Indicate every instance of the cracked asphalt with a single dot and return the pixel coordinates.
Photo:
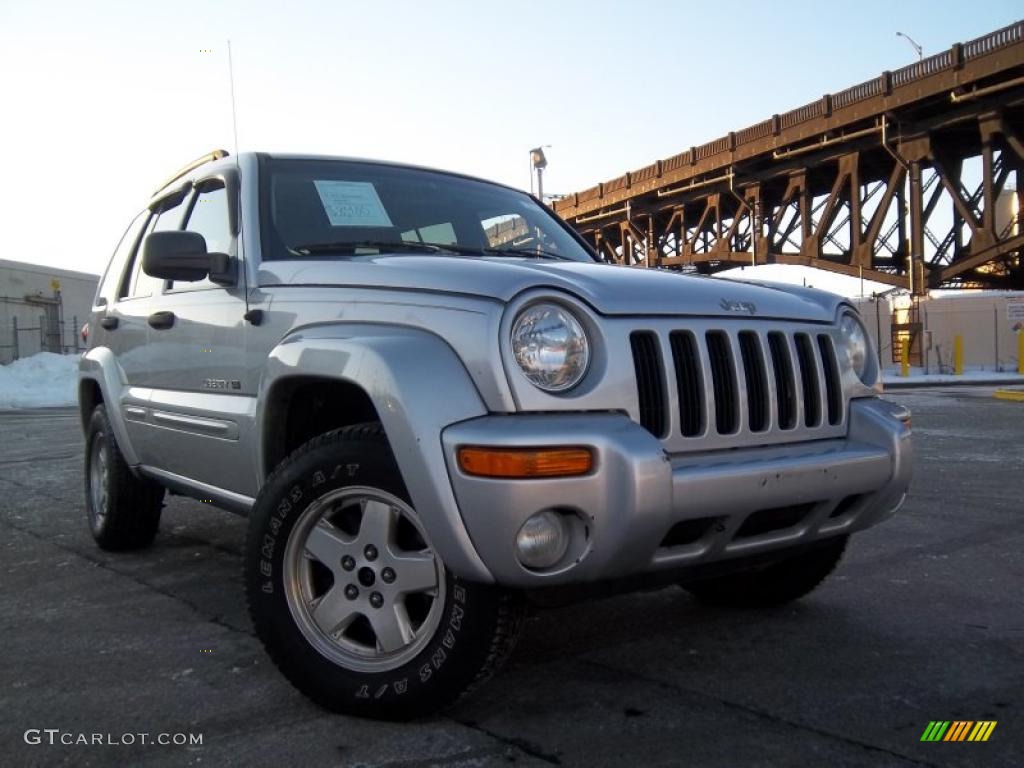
(924, 620)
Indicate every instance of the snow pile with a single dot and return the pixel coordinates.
(42, 380)
(969, 376)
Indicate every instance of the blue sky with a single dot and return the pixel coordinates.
(102, 100)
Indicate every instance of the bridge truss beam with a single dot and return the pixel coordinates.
(920, 191)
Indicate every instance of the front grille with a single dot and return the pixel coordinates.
(785, 387)
(731, 385)
(834, 393)
(650, 382)
(723, 374)
(757, 382)
(689, 382)
(808, 380)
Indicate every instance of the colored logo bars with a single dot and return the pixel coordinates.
(958, 730)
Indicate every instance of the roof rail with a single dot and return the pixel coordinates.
(209, 157)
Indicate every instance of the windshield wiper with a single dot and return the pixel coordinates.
(350, 246)
(533, 252)
(415, 246)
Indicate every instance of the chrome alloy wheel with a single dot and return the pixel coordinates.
(99, 478)
(361, 581)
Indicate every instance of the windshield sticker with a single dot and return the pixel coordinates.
(352, 204)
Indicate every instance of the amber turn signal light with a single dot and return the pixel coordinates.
(525, 462)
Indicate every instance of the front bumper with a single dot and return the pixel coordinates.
(642, 509)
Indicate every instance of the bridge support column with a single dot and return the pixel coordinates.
(917, 222)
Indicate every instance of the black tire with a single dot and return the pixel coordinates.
(779, 583)
(477, 628)
(127, 515)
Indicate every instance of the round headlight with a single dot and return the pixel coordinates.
(550, 346)
(855, 346)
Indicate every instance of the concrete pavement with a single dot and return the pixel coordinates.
(924, 620)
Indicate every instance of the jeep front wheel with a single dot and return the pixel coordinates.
(348, 596)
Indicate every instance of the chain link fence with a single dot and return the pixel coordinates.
(17, 339)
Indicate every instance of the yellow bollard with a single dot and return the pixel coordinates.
(1020, 351)
(958, 355)
(905, 358)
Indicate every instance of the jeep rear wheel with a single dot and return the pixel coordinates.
(776, 584)
(348, 596)
(123, 510)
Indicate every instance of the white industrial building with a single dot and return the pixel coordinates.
(42, 309)
(988, 323)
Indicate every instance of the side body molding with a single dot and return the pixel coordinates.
(419, 386)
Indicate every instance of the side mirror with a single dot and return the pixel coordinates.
(177, 255)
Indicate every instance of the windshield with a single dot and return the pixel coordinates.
(351, 209)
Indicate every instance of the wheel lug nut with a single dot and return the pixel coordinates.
(370, 552)
(387, 575)
(348, 562)
(351, 592)
(376, 599)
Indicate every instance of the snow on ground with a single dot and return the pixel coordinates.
(42, 380)
(918, 376)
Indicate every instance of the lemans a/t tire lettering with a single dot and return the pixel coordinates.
(346, 593)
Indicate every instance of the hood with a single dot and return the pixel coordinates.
(609, 289)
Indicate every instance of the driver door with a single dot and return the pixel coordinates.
(202, 397)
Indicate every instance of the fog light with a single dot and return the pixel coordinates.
(542, 540)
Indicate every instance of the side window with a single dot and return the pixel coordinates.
(139, 284)
(113, 278)
(209, 218)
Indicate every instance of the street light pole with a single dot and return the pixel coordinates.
(913, 44)
(539, 163)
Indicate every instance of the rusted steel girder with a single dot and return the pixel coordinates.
(912, 179)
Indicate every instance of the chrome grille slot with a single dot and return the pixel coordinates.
(723, 376)
(833, 393)
(689, 382)
(723, 383)
(808, 380)
(757, 381)
(650, 382)
(785, 387)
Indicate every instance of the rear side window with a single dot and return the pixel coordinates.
(209, 218)
(114, 275)
(139, 284)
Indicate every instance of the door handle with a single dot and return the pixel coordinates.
(161, 320)
(110, 323)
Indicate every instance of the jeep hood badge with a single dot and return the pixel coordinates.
(738, 306)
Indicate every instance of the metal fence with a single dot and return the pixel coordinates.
(19, 340)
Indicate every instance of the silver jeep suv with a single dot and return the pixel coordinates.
(433, 403)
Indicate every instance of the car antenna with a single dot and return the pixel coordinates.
(253, 316)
